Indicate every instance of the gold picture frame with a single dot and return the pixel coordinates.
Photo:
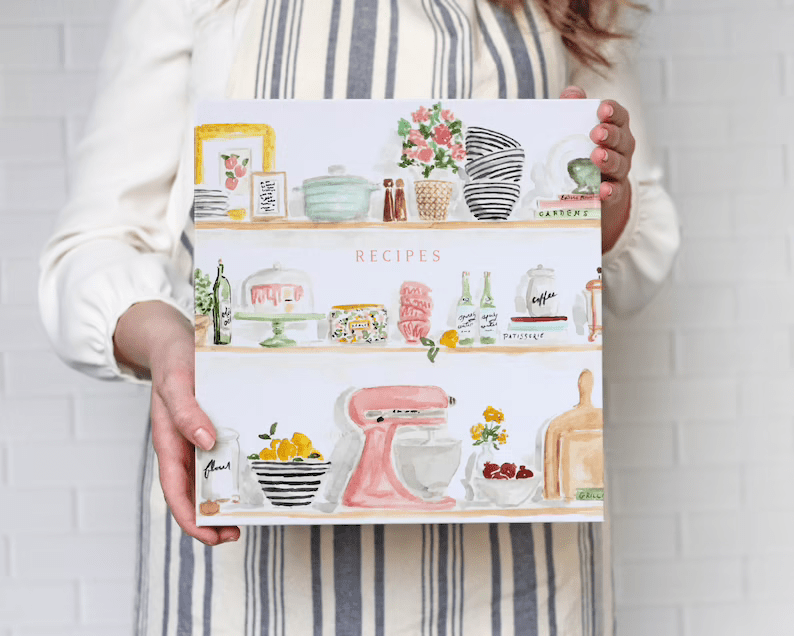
(211, 132)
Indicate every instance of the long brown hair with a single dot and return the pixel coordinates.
(585, 25)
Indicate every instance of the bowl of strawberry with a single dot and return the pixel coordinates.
(507, 484)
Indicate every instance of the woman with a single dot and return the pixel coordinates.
(117, 301)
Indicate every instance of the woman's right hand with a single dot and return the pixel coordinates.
(155, 336)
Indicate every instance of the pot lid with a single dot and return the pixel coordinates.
(541, 271)
(336, 176)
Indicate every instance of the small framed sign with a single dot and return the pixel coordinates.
(268, 196)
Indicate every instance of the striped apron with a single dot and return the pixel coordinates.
(394, 580)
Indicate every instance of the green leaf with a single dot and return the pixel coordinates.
(273, 428)
(245, 162)
(264, 436)
(427, 342)
(253, 456)
(236, 156)
(403, 127)
(224, 157)
(478, 442)
(230, 175)
(297, 459)
(314, 455)
(425, 130)
(426, 172)
(432, 353)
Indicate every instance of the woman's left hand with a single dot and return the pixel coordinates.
(613, 157)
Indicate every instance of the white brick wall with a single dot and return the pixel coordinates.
(701, 435)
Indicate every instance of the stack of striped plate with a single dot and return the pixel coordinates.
(210, 204)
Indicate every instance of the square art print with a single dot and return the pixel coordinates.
(413, 334)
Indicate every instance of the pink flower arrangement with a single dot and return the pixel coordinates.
(435, 142)
(420, 116)
(442, 136)
(457, 152)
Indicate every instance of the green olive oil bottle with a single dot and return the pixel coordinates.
(222, 308)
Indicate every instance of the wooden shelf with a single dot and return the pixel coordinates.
(594, 511)
(412, 225)
(359, 349)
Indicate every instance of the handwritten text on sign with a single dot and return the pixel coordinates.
(266, 197)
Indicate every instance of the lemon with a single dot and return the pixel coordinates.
(450, 339)
(299, 439)
(287, 450)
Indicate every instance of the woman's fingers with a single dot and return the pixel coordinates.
(615, 193)
(610, 111)
(613, 165)
(176, 391)
(573, 92)
(617, 138)
(176, 459)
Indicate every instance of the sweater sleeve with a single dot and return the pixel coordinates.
(116, 242)
(641, 259)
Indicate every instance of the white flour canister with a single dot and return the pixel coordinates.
(217, 470)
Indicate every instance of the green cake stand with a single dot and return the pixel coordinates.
(278, 339)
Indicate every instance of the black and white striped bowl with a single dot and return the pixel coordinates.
(491, 200)
(502, 165)
(290, 484)
(481, 141)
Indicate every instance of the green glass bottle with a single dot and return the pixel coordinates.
(222, 308)
(466, 315)
(488, 315)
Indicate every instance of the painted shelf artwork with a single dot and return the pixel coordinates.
(398, 312)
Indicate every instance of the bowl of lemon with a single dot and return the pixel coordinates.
(289, 470)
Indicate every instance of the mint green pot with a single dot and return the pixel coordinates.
(337, 197)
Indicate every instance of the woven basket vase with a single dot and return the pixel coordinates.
(432, 199)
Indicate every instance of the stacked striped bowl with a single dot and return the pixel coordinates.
(495, 165)
(290, 484)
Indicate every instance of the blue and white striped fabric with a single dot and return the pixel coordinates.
(423, 580)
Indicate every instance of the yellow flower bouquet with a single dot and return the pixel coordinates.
(491, 431)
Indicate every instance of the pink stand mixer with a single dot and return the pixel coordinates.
(380, 412)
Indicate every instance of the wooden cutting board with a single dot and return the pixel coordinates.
(574, 447)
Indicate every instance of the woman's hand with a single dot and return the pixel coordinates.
(155, 336)
(613, 157)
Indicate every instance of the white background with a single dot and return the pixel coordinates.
(698, 383)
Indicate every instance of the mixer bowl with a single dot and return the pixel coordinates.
(427, 468)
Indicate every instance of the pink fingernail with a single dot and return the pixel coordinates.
(610, 111)
(605, 156)
(609, 190)
(604, 134)
(204, 440)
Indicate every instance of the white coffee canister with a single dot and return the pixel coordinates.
(542, 297)
(217, 470)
